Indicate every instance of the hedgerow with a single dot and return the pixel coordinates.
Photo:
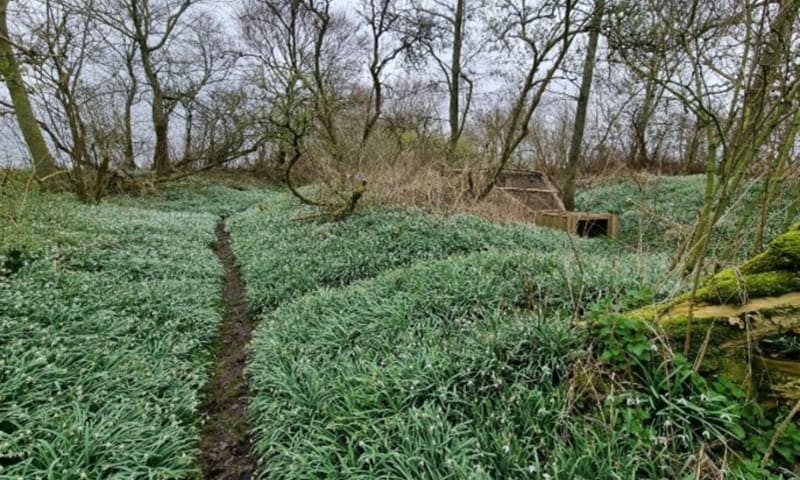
(448, 369)
(105, 328)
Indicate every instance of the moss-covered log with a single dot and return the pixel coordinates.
(745, 322)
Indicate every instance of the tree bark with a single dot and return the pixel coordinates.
(738, 313)
(574, 156)
(129, 161)
(43, 163)
(160, 117)
(455, 80)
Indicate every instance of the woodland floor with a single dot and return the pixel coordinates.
(401, 343)
(225, 444)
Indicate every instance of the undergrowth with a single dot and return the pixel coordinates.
(707, 426)
(451, 369)
(656, 213)
(106, 318)
(213, 198)
(283, 258)
(405, 344)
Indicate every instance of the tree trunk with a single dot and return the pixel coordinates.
(161, 130)
(129, 161)
(455, 81)
(640, 156)
(743, 315)
(43, 163)
(759, 118)
(159, 112)
(574, 156)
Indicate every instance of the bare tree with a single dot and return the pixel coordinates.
(573, 159)
(43, 162)
(760, 93)
(151, 25)
(390, 36)
(539, 34)
(739, 81)
(302, 68)
(443, 26)
(73, 101)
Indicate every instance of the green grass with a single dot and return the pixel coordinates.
(401, 344)
(106, 322)
(396, 344)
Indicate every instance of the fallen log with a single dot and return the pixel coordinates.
(744, 323)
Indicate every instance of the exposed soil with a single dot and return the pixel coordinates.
(224, 443)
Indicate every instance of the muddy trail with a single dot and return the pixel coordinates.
(225, 442)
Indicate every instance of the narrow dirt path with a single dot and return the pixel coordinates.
(224, 443)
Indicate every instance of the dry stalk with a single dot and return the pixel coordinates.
(778, 433)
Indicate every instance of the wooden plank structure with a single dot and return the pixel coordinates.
(536, 191)
(584, 224)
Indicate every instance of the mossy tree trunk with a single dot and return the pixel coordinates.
(746, 321)
(43, 163)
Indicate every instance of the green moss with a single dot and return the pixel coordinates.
(735, 369)
(730, 287)
(783, 253)
(674, 326)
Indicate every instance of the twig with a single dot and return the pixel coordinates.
(701, 355)
(783, 426)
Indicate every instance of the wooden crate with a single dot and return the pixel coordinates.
(579, 223)
(534, 190)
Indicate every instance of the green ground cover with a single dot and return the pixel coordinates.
(107, 315)
(400, 344)
(396, 344)
(450, 369)
(198, 196)
(283, 258)
(657, 212)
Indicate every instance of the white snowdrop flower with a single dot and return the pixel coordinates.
(703, 397)
(506, 448)
(706, 434)
(667, 423)
(531, 468)
(361, 444)
(653, 347)
(633, 401)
